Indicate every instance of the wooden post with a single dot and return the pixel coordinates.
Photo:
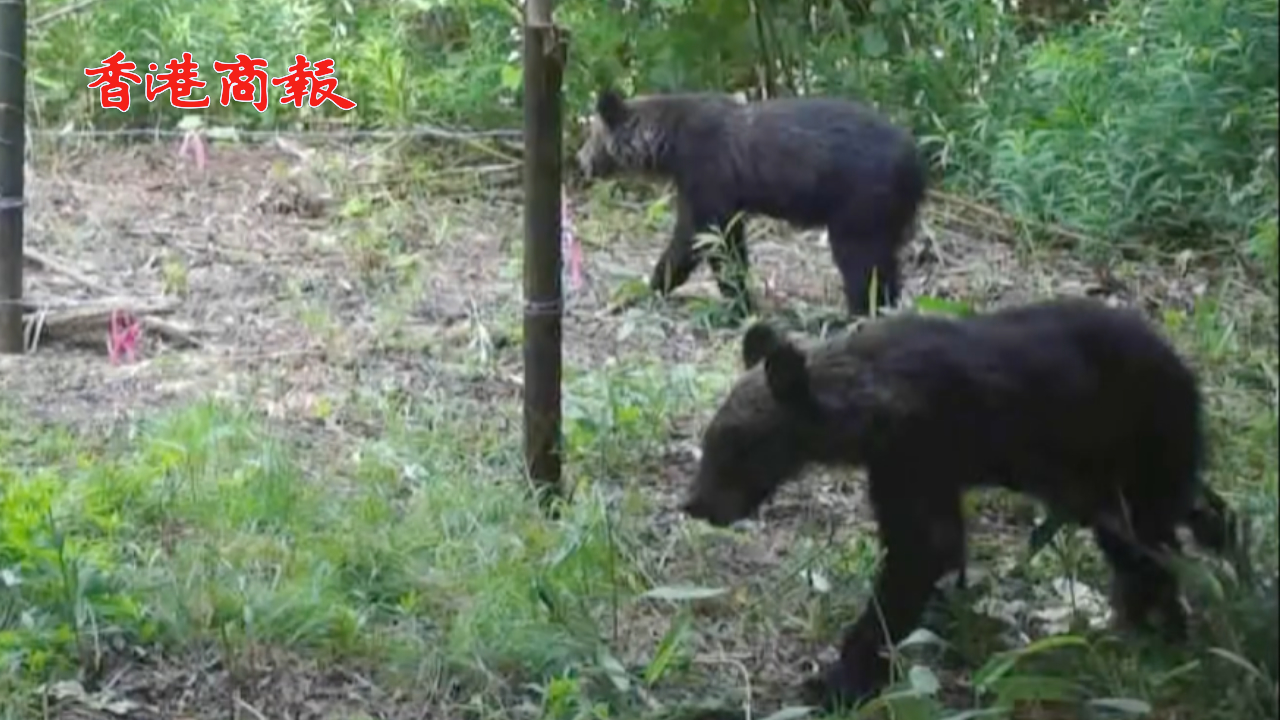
(13, 79)
(545, 52)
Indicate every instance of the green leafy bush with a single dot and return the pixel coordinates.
(1157, 124)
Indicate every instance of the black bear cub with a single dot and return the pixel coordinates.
(813, 162)
(1084, 407)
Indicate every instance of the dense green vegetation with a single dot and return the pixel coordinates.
(1157, 123)
(1135, 130)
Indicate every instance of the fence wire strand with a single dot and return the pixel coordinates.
(231, 133)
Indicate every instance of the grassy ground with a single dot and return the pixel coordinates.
(320, 513)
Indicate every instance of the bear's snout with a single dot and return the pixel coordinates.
(716, 514)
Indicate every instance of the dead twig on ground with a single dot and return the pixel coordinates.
(1001, 224)
(54, 265)
(71, 319)
(171, 331)
(83, 321)
(132, 305)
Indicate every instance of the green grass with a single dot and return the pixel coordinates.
(202, 527)
(410, 556)
(1154, 126)
(420, 553)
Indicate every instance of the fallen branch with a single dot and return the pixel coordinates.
(54, 265)
(172, 332)
(1004, 221)
(510, 167)
(113, 302)
(86, 321)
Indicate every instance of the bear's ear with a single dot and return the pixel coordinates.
(784, 365)
(758, 342)
(789, 378)
(611, 107)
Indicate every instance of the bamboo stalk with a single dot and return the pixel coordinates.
(545, 53)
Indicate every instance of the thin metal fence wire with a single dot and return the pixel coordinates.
(232, 133)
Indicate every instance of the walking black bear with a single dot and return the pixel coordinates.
(813, 162)
(1081, 406)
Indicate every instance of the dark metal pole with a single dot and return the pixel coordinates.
(545, 51)
(13, 80)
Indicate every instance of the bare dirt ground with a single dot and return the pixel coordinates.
(264, 257)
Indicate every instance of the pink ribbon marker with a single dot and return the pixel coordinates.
(193, 148)
(569, 242)
(123, 333)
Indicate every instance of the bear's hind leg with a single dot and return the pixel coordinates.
(1159, 491)
(859, 257)
(1142, 584)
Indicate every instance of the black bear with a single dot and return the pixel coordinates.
(1083, 407)
(813, 162)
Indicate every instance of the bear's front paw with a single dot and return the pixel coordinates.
(839, 688)
(660, 284)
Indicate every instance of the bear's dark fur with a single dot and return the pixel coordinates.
(1084, 407)
(813, 162)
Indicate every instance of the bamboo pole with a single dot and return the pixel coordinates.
(545, 52)
(13, 76)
